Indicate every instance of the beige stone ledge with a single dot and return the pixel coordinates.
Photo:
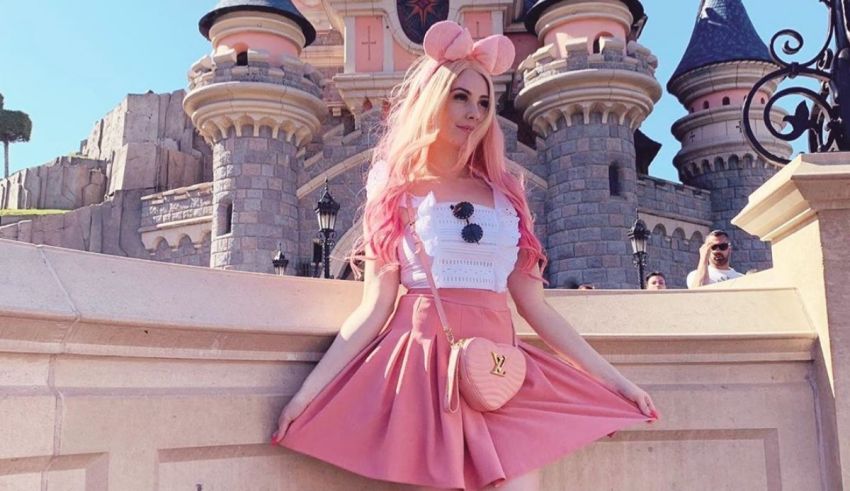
(791, 198)
(127, 375)
(62, 301)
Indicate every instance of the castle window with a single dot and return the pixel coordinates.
(762, 100)
(726, 101)
(705, 104)
(224, 221)
(228, 218)
(614, 185)
(242, 58)
(597, 42)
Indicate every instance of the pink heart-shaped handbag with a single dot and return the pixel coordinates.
(487, 374)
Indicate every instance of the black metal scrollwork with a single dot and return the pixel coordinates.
(828, 122)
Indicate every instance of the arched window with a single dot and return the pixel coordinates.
(726, 101)
(242, 58)
(597, 42)
(705, 104)
(614, 182)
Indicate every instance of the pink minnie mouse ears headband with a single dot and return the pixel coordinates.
(448, 41)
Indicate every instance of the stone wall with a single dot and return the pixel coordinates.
(184, 252)
(670, 198)
(150, 143)
(65, 183)
(175, 225)
(110, 227)
(174, 380)
(588, 213)
(673, 254)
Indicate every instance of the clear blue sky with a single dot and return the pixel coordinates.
(69, 63)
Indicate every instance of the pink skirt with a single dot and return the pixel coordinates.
(382, 417)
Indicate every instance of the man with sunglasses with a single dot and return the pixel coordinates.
(713, 265)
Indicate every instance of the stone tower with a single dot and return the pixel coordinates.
(257, 104)
(722, 62)
(585, 92)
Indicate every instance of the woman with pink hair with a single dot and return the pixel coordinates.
(445, 219)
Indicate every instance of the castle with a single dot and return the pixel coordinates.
(228, 171)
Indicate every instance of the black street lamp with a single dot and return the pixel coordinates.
(279, 261)
(326, 210)
(639, 235)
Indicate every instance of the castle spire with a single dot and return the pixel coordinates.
(723, 61)
(723, 32)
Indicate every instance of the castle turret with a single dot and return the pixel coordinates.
(585, 92)
(257, 104)
(723, 61)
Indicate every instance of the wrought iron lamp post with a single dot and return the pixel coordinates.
(639, 235)
(828, 122)
(326, 211)
(279, 261)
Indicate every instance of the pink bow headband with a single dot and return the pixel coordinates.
(448, 41)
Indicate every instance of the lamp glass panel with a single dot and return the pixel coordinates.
(324, 220)
(639, 245)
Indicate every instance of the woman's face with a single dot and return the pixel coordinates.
(465, 108)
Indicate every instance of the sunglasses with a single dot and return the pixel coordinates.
(472, 232)
(720, 247)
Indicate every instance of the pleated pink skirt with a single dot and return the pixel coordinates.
(382, 417)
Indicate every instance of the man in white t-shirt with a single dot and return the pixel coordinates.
(713, 267)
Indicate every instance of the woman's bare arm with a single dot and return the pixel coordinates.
(557, 332)
(358, 330)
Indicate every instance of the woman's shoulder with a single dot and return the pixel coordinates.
(377, 178)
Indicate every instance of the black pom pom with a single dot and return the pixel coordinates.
(463, 210)
(472, 233)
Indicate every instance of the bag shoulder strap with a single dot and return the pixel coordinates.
(426, 264)
(452, 397)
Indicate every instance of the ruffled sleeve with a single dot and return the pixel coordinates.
(377, 179)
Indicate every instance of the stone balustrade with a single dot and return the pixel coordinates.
(131, 375)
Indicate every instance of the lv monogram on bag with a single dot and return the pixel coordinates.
(498, 364)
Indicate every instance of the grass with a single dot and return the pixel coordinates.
(6, 212)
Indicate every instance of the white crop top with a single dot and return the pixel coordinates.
(454, 262)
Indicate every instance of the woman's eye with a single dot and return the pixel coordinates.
(485, 104)
(460, 96)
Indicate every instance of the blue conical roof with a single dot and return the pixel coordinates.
(280, 7)
(723, 33)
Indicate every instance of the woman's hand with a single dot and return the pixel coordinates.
(632, 392)
(292, 410)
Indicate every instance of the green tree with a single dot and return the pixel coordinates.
(15, 126)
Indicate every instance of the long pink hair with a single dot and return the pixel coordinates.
(409, 129)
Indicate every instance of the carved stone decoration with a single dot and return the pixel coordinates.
(416, 16)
